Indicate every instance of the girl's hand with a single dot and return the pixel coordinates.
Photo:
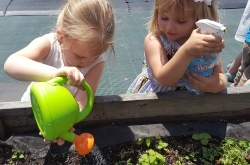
(59, 141)
(74, 76)
(205, 84)
(202, 44)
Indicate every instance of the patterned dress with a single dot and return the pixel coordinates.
(146, 82)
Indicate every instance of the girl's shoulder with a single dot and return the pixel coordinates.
(54, 56)
(160, 39)
(51, 37)
(151, 41)
(150, 37)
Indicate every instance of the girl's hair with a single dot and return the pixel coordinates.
(90, 21)
(183, 9)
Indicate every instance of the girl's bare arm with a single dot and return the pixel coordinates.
(24, 65)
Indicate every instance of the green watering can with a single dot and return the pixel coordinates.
(56, 111)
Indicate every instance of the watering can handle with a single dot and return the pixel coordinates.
(89, 104)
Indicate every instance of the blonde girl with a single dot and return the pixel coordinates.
(173, 41)
(84, 31)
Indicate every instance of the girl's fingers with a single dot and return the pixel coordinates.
(60, 141)
(75, 77)
(54, 140)
(195, 80)
(72, 129)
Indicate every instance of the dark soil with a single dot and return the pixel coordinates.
(179, 146)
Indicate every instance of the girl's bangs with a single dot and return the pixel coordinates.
(180, 8)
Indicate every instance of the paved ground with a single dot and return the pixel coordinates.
(22, 21)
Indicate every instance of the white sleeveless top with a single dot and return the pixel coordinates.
(54, 59)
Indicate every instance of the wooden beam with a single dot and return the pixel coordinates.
(232, 103)
(2, 130)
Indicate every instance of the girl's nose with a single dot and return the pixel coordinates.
(170, 26)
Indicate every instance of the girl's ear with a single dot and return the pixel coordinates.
(59, 35)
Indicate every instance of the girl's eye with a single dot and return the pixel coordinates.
(164, 18)
(182, 22)
(79, 56)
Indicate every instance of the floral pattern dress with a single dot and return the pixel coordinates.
(145, 82)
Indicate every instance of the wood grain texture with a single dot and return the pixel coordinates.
(232, 103)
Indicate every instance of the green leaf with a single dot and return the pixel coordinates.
(140, 141)
(192, 154)
(21, 156)
(206, 136)
(243, 144)
(204, 149)
(152, 159)
(196, 137)
(204, 141)
(229, 141)
(201, 136)
(14, 156)
(148, 141)
(161, 157)
(144, 156)
(151, 152)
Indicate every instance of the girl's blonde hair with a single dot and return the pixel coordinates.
(183, 9)
(89, 21)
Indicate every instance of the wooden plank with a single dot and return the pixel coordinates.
(232, 103)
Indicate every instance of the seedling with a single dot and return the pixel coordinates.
(147, 140)
(162, 145)
(203, 137)
(151, 157)
(17, 154)
(234, 152)
(192, 156)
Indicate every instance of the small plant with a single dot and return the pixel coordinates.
(151, 157)
(203, 137)
(210, 153)
(17, 154)
(234, 152)
(192, 156)
(147, 140)
(123, 160)
(161, 145)
(179, 161)
(128, 162)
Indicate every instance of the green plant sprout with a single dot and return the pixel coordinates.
(151, 157)
(162, 145)
(234, 152)
(179, 161)
(203, 137)
(17, 154)
(192, 156)
(147, 140)
(210, 153)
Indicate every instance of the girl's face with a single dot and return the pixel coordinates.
(77, 54)
(175, 29)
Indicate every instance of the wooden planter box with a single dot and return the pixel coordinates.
(232, 103)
